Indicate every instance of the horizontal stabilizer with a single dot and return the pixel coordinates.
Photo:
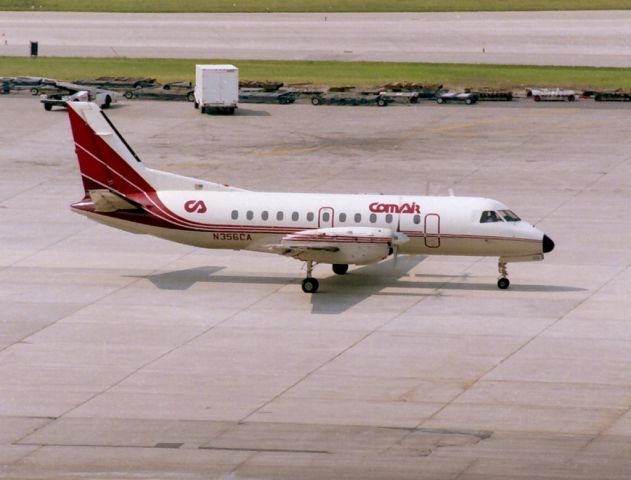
(107, 201)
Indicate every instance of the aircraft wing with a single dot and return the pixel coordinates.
(344, 245)
(302, 251)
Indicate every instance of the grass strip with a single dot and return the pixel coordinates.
(224, 6)
(326, 73)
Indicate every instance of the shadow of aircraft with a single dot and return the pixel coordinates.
(340, 292)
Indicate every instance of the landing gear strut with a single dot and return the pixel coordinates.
(310, 284)
(503, 282)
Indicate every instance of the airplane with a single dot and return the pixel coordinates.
(337, 229)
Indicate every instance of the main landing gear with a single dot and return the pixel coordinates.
(340, 268)
(503, 282)
(311, 285)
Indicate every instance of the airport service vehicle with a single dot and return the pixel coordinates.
(457, 97)
(27, 83)
(350, 98)
(258, 95)
(167, 91)
(400, 97)
(551, 94)
(101, 98)
(337, 229)
(216, 88)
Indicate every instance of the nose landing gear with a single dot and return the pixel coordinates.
(503, 282)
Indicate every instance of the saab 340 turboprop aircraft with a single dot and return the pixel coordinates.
(338, 229)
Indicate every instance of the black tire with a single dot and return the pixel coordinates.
(316, 101)
(503, 283)
(440, 101)
(230, 111)
(382, 102)
(196, 105)
(571, 98)
(34, 91)
(340, 268)
(468, 101)
(190, 96)
(537, 98)
(48, 107)
(310, 285)
(129, 95)
(203, 109)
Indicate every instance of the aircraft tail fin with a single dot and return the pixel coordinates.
(106, 161)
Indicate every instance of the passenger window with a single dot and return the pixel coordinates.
(295, 216)
(489, 216)
(326, 216)
(264, 215)
(373, 218)
(358, 218)
(310, 217)
(235, 214)
(342, 217)
(279, 215)
(389, 218)
(249, 215)
(417, 219)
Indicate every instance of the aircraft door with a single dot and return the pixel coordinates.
(432, 230)
(325, 217)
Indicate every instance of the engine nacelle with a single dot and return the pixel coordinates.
(342, 245)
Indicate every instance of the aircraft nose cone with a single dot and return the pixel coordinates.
(548, 244)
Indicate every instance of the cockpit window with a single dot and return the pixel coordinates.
(509, 216)
(489, 216)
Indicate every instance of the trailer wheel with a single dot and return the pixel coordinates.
(190, 96)
(382, 102)
(537, 98)
(48, 107)
(34, 91)
(468, 101)
(571, 98)
(129, 95)
(230, 111)
(203, 109)
(440, 100)
(316, 101)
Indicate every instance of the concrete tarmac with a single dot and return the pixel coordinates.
(598, 38)
(125, 356)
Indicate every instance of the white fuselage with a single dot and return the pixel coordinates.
(254, 220)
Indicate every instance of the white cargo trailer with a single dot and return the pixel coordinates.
(216, 88)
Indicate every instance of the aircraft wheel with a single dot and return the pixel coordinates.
(340, 268)
(310, 285)
(503, 283)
